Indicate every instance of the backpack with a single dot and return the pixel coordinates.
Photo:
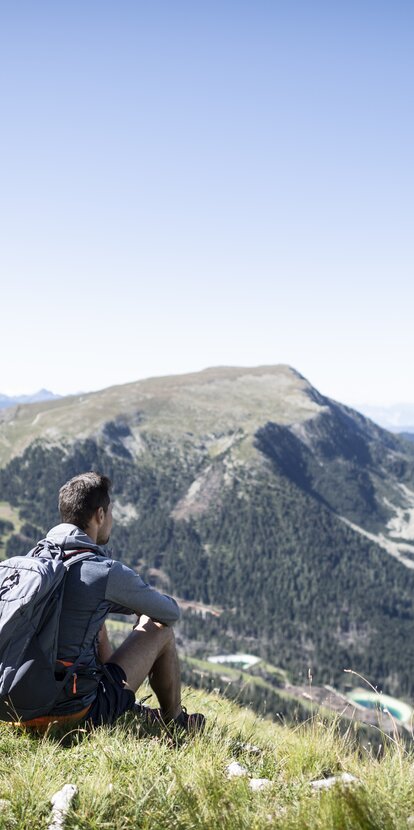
(31, 596)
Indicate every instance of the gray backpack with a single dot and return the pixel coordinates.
(31, 594)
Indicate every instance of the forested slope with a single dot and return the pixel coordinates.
(296, 585)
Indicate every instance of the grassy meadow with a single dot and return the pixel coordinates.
(126, 780)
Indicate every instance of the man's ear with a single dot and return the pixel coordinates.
(100, 515)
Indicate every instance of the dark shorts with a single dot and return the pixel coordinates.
(112, 698)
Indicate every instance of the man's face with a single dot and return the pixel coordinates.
(104, 531)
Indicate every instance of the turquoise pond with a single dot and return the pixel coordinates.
(398, 709)
(372, 704)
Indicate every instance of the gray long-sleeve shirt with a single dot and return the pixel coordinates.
(94, 588)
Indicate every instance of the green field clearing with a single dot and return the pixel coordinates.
(8, 514)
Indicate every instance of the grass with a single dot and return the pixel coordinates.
(9, 514)
(126, 781)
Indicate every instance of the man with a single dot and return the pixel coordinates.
(104, 686)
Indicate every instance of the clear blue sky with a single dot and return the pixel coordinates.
(190, 184)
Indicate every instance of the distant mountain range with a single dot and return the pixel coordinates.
(41, 395)
(247, 491)
(397, 418)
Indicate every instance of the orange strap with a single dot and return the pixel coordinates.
(66, 664)
(41, 724)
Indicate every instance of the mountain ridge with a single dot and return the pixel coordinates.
(179, 397)
(7, 401)
(245, 489)
(254, 415)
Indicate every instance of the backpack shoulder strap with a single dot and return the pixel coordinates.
(73, 556)
(46, 549)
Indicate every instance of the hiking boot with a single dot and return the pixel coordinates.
(191, 724)
(148, 716)
(183, 724)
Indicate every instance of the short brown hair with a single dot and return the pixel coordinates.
(80, 497)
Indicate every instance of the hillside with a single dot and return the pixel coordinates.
(199, 404)
(246, 490)
(244, 772)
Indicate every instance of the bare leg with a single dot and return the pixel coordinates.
(149, 651)
(104, 646)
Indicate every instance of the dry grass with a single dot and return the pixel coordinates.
(126, 781)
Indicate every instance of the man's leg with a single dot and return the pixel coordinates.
(149, 651)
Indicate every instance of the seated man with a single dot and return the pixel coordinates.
(104, 685)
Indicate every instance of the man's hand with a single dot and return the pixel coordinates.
(142, 621)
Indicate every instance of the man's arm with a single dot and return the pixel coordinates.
(126, 588)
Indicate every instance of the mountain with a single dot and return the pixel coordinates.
(287, 516)
(41, 395)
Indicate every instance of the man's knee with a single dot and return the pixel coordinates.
(142, 648)
(156, 629)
